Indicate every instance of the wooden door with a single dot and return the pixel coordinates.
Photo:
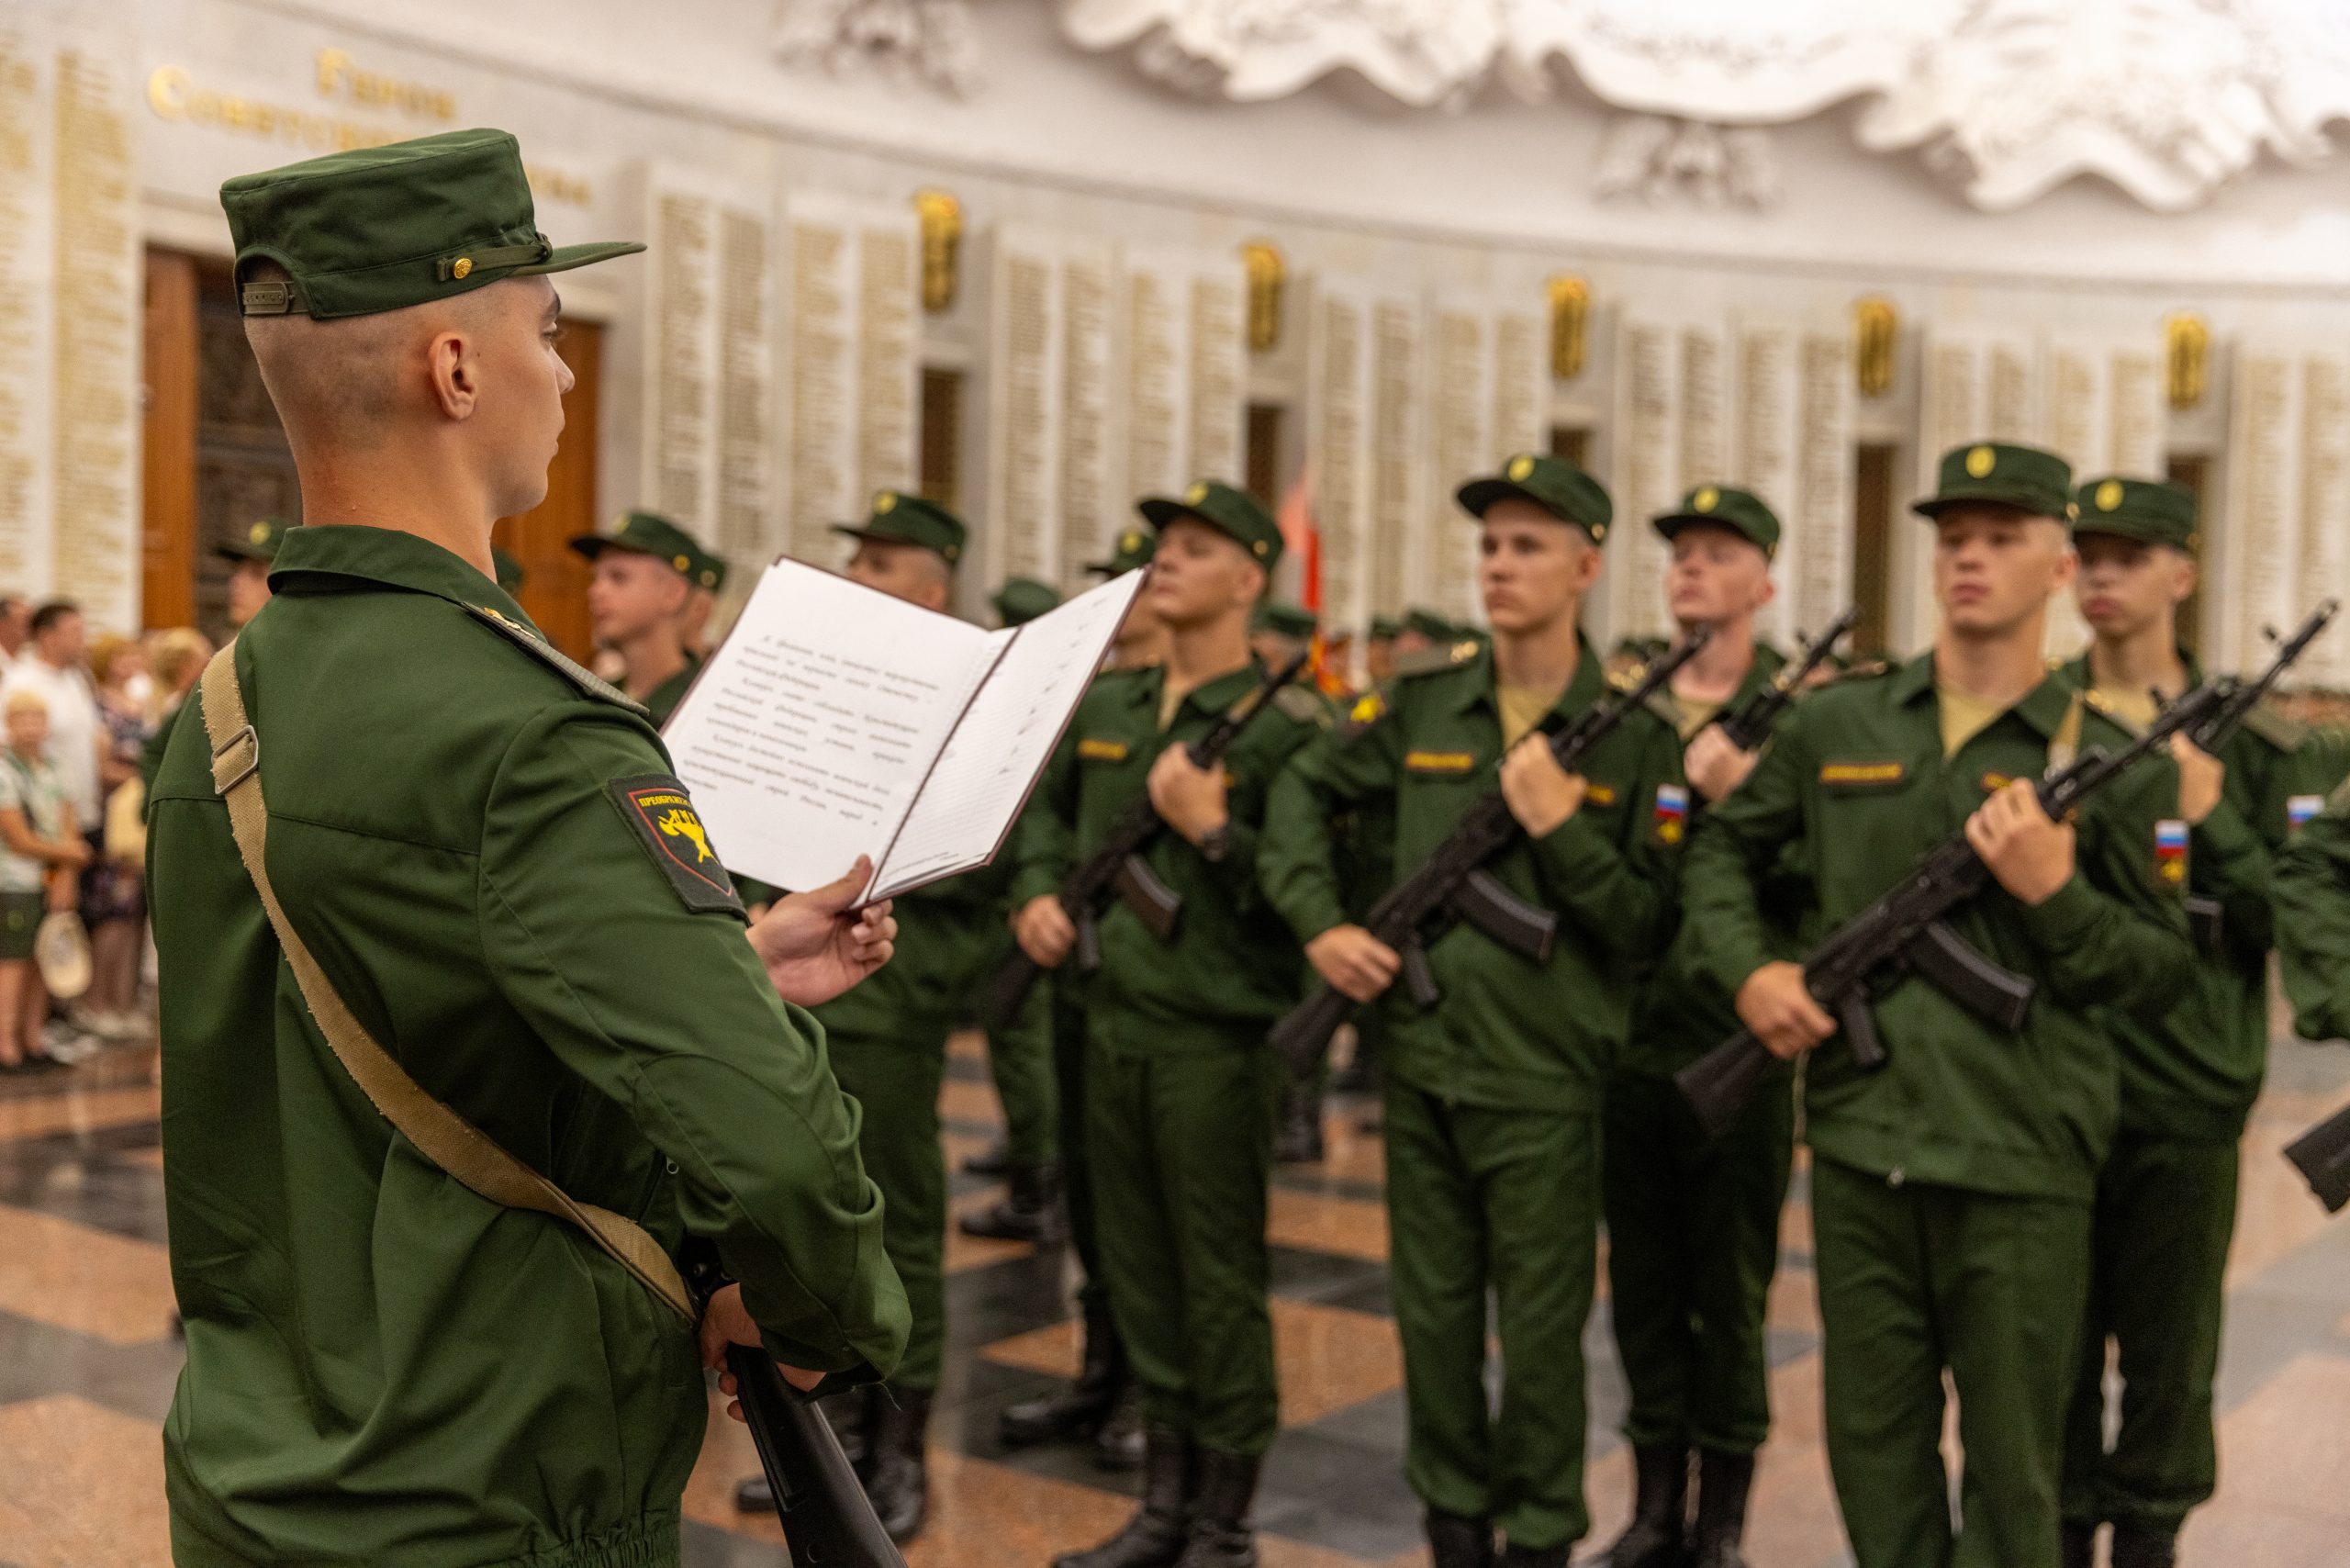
(167, 448)
(554, 587)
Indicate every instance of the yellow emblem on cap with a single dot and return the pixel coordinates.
(2109, 495)
(1598, 533)
(258, 533)
(885, 503)
(465, 265)
(1981, 461)
(709, 579)
(1519, 468)
(1196, 494)
(1130, 540)
(2072, 511)
(1260, 547)
(1705, 499)
(683, 563)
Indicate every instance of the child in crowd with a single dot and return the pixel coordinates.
(40, 857)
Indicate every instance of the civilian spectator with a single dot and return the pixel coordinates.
(40, 851)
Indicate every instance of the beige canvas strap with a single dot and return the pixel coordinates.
(439, 1132)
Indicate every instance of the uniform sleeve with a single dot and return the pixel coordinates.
(1732, 852)
(1618, 891)
(1297, 860)
(2312, 903)
(2232, 860)
(1044, 843)
(2113, 935)
(669, 1014)
(1236, 874)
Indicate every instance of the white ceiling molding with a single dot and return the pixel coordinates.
(934, 42)
(2006, 99)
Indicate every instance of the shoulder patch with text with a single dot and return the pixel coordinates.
(1855, 773)
(1091, 750)
(1671, 818)
(662, 814)
(2170, 853)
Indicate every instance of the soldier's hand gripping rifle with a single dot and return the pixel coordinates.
(827, 1520)
(1749, 724)
(1453, 885)
(1904, 931)
(1116, 869)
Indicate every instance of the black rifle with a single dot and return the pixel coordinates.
(827, 1520)
(1749, 724)
(1905, 931)
(1453, 885)
(1117, 868)
(2322, 1155)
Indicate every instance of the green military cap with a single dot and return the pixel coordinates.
(1285, 620)
(1555, 485)
(1429, 624)
(1720, 506)
(2001, 474)
(1022, 599)
(510, 570)
(384, 228)
(899, 519)
(2153, 511)
(1225, 510)
(649, 533)
(259, 542)
(1135, 547)
(1384, 628)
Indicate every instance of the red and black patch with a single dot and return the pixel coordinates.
(664, 816)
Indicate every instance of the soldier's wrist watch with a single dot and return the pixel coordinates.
(1217, 843)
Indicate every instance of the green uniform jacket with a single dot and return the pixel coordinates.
(1855, 783)
(382, 1367)
(2194, 1070)
(1509, 1034)
(1231, 962)
(1680, 1014)
(2312, 899)
(151, 757)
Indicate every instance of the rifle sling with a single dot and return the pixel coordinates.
(439, 1132)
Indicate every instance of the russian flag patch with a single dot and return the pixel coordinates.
(2300, 809)
(1672, 819)
(2170, 852)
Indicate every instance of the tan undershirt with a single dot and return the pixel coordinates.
(1695, 714)
(2135, 708)
(1963, 717)
(1522, 708)
(1169, 701)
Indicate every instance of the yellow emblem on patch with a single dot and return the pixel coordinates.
(885, 503)
(1981, 461)
(1439, 761)
(1101, 751)
(1367, 708)
(1196, 494)
(681, 823)
(1668, 832)
(1519, 468)
(463, 269)
(258, 532)
(2109, 495)
(1862, 772)
(1705, 499)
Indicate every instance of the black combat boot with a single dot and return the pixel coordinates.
(2078, 1546)
(1083, 1405)
(1657, 1537)
(1119, 1444)
(851, 1416)
(1031, 1211)
(1516, 1556)
(1155, 1536)
(1458, 1542)
(1723, 1481)
(1297, 1137)
(2137, 1546)
(897, 1472)
(993, 1160)
(1221, 1534)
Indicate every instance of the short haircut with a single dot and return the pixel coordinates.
(51, 612)
(172, 652)
(24, 699)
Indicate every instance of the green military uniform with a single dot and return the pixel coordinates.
(1952, 1190)
(259, 543)
(2166, 1206)
(652, 536)
(1693, 1222)
(511, 574)
(382, 1366)
(2311, 902)
(1493, 1101)
(1179, 1085)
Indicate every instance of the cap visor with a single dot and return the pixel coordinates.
(240, 553)
(594, 545)
(2028, 502)
(1159, 511)
(1478, 495)
(566, 257)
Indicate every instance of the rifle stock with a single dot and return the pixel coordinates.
(2323, 1157)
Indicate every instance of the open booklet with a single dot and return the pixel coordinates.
(835, 721)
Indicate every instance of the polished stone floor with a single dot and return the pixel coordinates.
(87, 1362)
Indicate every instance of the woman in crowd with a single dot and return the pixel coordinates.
(40, 854)
(114, 904)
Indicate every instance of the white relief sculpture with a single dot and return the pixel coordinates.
(2168, 99)
(1655, 158)
(932, 41)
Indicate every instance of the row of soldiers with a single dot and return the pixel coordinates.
(1995, 1209)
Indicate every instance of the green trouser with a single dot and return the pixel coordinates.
(1183, 1147)
(1692, 1241)
(1916, 1279)
(1482, 1199)
(2165, 1212)
(1020, 1059)
(895, 1080)
(1065, 1012)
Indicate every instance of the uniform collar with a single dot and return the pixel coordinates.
(2077, 669)
(345, 559)
(2043, 707)
(1480, 677)
(1214, 698)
